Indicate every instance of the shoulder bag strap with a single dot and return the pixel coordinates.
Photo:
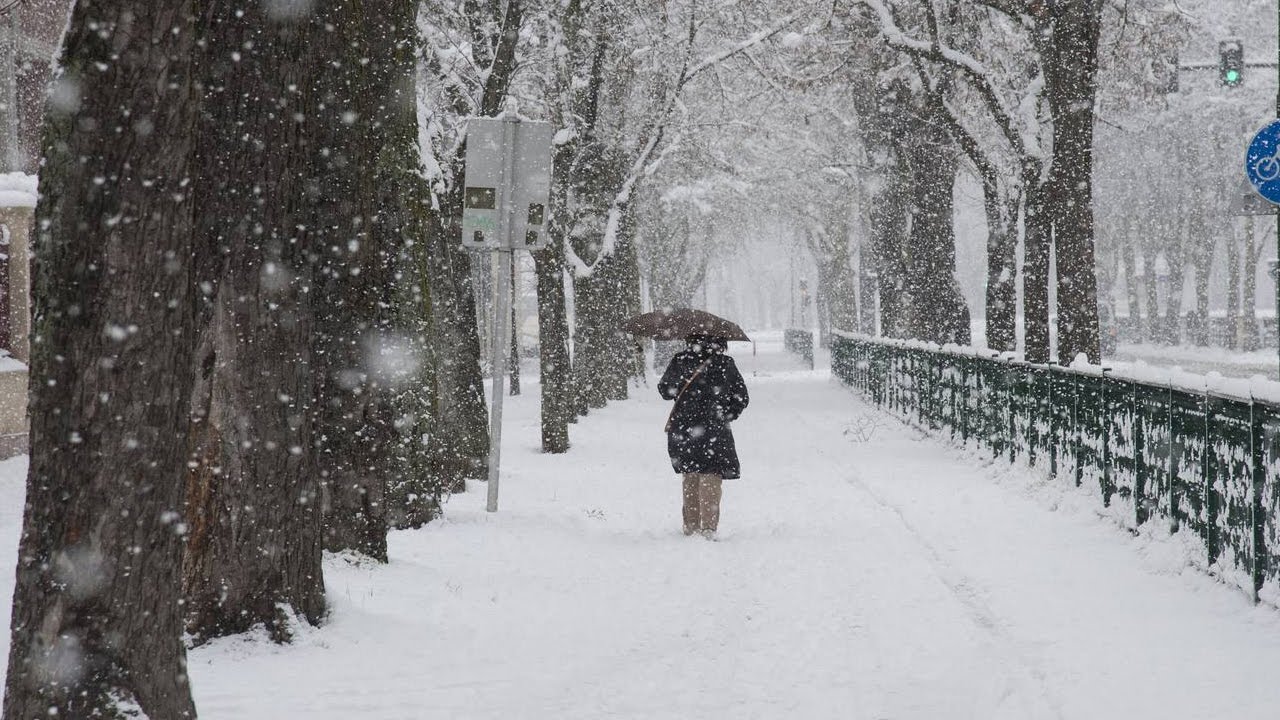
(672, 416)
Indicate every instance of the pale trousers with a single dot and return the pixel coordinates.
(701, 503)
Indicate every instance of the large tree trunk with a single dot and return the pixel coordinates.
(590, 350)
(1249, 302)
(866, 292)
(888, 228)
(626, 352)
(1233, 285)
(97, 618)
(359, 354)
(1203, 259)
(553, 345)
(1132, 297)
(1036, 240)
(406, 227)
(253, 553)
(1002, 267)
(835, 299)
(1071, 69)
(1176, 257)
(459, 443)
(605, 357)
(1151, 295)
(937, 310)
(841, 296)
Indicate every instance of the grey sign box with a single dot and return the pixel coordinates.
(496, 147)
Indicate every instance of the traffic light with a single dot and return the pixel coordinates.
(1231, 62)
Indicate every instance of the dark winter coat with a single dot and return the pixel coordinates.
(700, 440)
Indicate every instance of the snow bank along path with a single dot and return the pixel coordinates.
(888, 577)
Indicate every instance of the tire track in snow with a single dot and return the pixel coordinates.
(1025, 693)
(968, 594)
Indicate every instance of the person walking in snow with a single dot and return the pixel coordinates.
(709, 393)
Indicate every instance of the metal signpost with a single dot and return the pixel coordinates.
(508, 182)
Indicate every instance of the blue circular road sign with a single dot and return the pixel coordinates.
(1262, 162)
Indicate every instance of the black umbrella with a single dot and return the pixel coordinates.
(679, 323)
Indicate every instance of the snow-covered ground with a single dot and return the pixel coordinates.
(1229, 363)
(1189, 358)
(863, 572)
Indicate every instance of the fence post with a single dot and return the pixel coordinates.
(881, 379)
(1208, 469)
(1139, 459)
(993, 425)
(1105, 417)
(1257, 515)
(1032, 404)
(935, 391)
(1055, 425)
(1171, 465)
(1077, 429)
(1011, 385)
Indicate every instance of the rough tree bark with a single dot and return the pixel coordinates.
(1132, 298)
(866, 293)
(1233, 284)
(626, 354)
(605, 358)
(1202, 252)
(253, 552)
(937, 310)
(1002, 268)
(570, 111)
(836, 300)
(888, 227)
(553, 343)
(459, 443)
(97, 620)
(1151, 295)
(358, 279)
(1249, 302)
(1171, 331)
(1070, 62)
(1036, 239)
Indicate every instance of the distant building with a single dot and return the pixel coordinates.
(30, 31)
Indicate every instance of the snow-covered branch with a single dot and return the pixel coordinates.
(1024, 144)
(642, 164)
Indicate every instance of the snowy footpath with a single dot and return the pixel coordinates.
(863, 572)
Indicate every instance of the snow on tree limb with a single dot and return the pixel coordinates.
(753, 40)
(643, 165)
(1022, 140)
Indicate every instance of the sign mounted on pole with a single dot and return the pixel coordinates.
(1262, 167)
(508, 184)
(508, 178)
(1262, 162)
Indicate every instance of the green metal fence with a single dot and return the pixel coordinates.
(799, 342)
(1201, 462)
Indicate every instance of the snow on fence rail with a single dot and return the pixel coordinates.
(1202, 455)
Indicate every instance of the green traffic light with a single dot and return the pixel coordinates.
(1233, 76)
